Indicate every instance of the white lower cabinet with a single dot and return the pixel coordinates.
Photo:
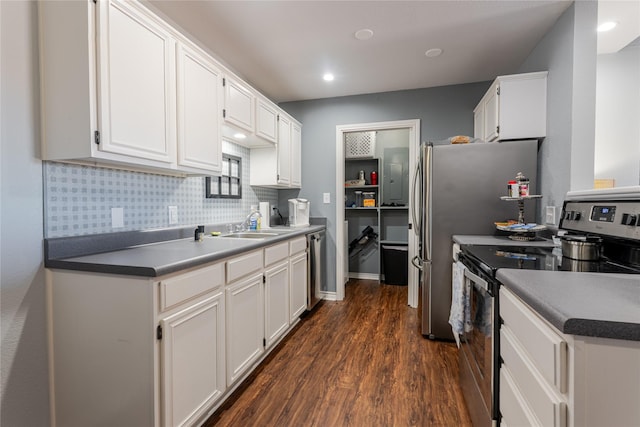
(552, 379)
(166, 351)
(245, 325)
(298, 282)
(193, 360)
(276, 302)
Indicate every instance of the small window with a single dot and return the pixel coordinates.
(228, 185)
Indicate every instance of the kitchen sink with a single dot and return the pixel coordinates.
(250, 235)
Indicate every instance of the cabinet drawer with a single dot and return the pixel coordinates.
(183, 287)
(244, 265)
(298, 244)
(547, 406)
(276, 253)
(513, 409)
(547, 349)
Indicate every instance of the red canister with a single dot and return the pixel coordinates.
(374, 178)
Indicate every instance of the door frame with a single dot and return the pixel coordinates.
(414, 146)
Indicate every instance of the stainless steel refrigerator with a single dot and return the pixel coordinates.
(460, 191)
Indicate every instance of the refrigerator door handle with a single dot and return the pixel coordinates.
(415, 204)
(426, 215)
(415, 260)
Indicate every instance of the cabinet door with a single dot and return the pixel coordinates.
(284, 150)
(238, 105)
(276, 302)
(266, 121)
(136, 84)
(298, 286)
(192, 361)
(296, 156)
(199, 112)
(491, 119)
(245, 325)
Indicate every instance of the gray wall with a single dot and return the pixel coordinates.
(443, 111)
(568, 52)
(24, 384)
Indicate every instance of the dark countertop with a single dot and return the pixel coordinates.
(158, 258)
(590, 304)
(462, 239)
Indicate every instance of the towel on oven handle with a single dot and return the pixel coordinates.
(460, 314)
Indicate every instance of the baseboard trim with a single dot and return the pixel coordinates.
(365, 276)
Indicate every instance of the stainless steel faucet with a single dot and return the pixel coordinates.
(247, 221)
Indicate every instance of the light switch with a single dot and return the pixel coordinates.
(550, 215)
(326, 198)
(117, 217)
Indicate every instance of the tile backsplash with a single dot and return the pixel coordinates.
(78, 199)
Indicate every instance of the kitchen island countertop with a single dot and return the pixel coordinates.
(164, 257)
(589, 304)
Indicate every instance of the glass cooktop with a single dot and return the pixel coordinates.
(492, 258)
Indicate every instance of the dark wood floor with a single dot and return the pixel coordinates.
(358, 362)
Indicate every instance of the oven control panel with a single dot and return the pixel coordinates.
(609, 218)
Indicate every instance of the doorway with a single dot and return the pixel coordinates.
(388, 218)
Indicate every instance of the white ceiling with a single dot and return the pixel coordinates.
(284, 47)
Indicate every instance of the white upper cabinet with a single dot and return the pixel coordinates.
(238, 105)
(279, 166)
(296, 155)
(136, 84)
(514, 107)
(266, 120)
(284, 151)
(199, 104)
(249, 118)
(121, 87)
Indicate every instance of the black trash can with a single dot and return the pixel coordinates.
(395, 262)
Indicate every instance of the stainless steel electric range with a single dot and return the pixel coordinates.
(605, 223)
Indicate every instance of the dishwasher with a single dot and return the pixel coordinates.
(315, 267)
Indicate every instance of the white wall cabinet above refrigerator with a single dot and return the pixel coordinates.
(514, 107)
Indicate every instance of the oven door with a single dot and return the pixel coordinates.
(477, 351)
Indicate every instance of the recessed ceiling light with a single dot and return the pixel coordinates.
(432, 53)
(239, 135)
(607, 26)
(364, 34)
(328, 77)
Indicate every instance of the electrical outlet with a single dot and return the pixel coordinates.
(550, 216)
(117, 217)
(326, 198)
(173, 215)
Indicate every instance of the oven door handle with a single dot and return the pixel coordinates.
(476, 279)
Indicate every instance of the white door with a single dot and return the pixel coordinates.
(245, 325)
(284, 150)
(298, 286)
(296, 156)
(192, 360)
(136, 84)
(276, 302)
(238, 105)
(199, 92)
